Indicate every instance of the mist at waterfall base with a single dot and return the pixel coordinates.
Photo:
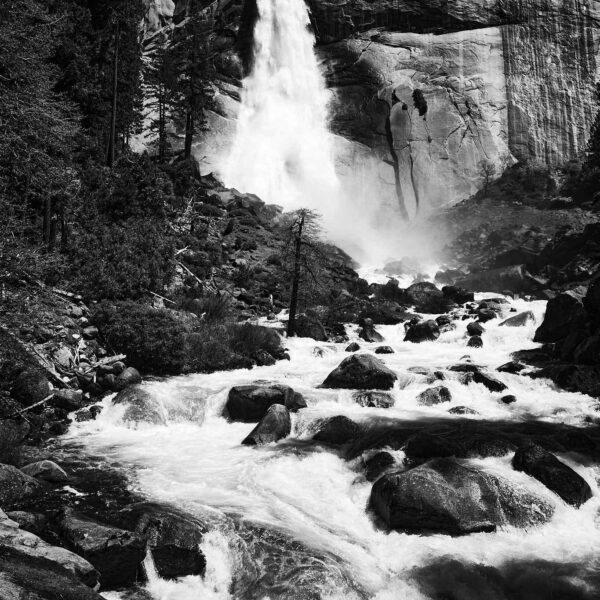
(284, 152)
(289, 520)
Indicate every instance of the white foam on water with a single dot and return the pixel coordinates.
(313, 495)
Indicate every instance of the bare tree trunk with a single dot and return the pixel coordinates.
(189, 132)
(291, 328)
(110, 159)
(64, 231)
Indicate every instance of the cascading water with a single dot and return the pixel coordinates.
(282, 151)
(290, 520)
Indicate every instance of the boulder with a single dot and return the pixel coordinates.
(378, 464)
(384, 350)
(508, 399)
(443, 496)
(16, 486)
(173, 537)
(554, 474)
(353, 347)
(563, 314)
(127, 377)
(475, 341)
(475, 328)
(513, 367)
(462, 410)
(371, 399)
(68, 400)
(308, 327)
(434, 395)
(479, 375)
(426, 331)
(361, 372)
(141, 406)
(486, 314)
(458, 295)
(427, 298)
(26, 577)
(519, 320)
(275, 425)
(249, 403)
(29, 544)
(116, 553)
(30, 386)
(46, 470)
(337, 431)
(368, 332)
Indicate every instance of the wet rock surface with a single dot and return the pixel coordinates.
(249, 403)
(361, 372)
(443, 496)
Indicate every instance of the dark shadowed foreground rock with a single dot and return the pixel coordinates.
(434, 395)
(173, 537)
(475, 328)
(444, 496)
(554, 474)
(30, 387)
(337, 430)
(361, 372)
(16, 485)
(563, 313)
(249, 403)
(141, 406)
(276, 424)
(475, 341)
(426, 331)
(24, 577)
(116, 553)
(28, 543)
(353, 347)
(378, 464)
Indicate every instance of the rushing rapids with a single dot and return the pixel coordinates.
(290, 519)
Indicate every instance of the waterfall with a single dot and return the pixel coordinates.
(283, 150)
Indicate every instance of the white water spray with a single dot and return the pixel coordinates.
(282, 150)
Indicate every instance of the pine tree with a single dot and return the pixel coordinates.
(193, 57)
(161, 83)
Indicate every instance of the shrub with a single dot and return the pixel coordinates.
(153, 339)
(211, 308)
(120, 262)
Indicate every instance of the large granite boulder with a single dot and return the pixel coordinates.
(27, 577)
(424, 331)
(563, 314)
(30, 386)
(249, 403)
(361, 372)
(444, 496)
(12, 536)
(173, 537)
(337, 431)
(554, 474)
(275, 425)
(16, 485)
(116, 553)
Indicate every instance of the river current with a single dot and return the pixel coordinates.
(290, 520)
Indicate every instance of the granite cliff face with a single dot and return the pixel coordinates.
(504, 80)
